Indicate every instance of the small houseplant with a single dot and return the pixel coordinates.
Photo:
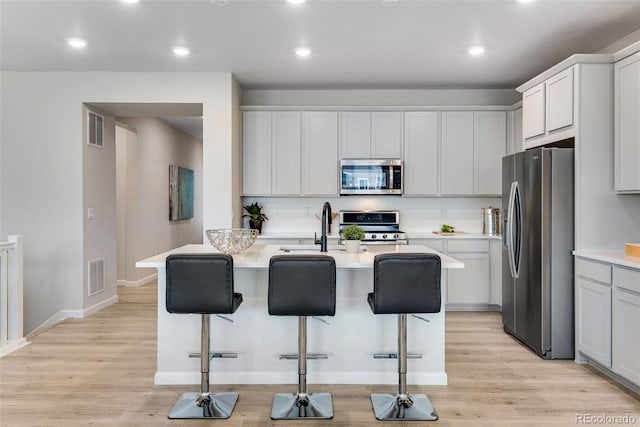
(255, 215)
(352, 235)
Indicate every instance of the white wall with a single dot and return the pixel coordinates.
(148, 230)
(99, 194)
(126, 166)
(41, 171)
(426, 97)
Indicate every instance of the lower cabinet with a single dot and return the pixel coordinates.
(593, 320)
(608, 316)
(473, 287)
(625, 324)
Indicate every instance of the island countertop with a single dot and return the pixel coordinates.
(257, 256)
(350, 338)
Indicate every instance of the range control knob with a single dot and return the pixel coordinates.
(395, 236)
(384, 236)
(373, 236)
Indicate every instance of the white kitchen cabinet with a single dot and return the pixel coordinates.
(421, 153)
(627, 124)
(285, 153)
(457, 153)
(490, 142)
(626, 319)
(548, 110)
(559, 101)
(533, 116)
(320, 153)
(371, 135)
(593, 310)
(515, 141)
(471, 285)
(256, 152)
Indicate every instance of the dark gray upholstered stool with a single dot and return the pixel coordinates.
(302, 285)
(202, 284)
(404, 283)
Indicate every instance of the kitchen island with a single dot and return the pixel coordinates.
(350, 339)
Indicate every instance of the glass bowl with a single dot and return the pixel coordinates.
(232, 240)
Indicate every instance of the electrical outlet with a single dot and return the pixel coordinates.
(90, 213)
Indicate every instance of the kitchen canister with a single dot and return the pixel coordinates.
(491, 221)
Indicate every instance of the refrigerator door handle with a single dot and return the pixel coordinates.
(509, 229)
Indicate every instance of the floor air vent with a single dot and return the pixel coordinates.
(94, 130)
(96, 276)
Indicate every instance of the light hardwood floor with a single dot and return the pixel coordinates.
(99, 371)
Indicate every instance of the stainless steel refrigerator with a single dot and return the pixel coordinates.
(537, 264)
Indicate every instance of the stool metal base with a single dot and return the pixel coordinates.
(197, 406)
(292, 406)
(388, 407)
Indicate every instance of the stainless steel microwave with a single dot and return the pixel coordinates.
(370, 176)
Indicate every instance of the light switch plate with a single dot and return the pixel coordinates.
(90, 213)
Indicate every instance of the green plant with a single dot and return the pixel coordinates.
(447, 228)
(255, 212)
(352, 232)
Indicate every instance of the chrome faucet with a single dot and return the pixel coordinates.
(326, 224)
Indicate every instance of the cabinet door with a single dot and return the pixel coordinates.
(593, 320)
(256, 152)
(421, 160)
(386, 135)
(285, 142)
(559, 102)
(320, 153)
(515, 143)
(627, 124)
(626, 335)
(533, 112)
(355, 135)
(490, 141)
(457, 152)
(469, 285)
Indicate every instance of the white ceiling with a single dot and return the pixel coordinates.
(418, 44)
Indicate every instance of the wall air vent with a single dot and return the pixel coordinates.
(94, 130)
(96, 276)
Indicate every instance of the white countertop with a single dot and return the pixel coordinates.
(613, 257)
(426, 234)
(257, 256)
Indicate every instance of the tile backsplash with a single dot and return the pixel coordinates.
(416, 213)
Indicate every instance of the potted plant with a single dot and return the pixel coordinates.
(352, 235)
(255, 215)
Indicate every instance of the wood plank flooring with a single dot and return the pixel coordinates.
(99, 371)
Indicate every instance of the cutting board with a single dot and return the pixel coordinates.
(449, 233)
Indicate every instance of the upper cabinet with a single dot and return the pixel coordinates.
(290, 153)
(489, 146)
(371, 135)
(627, 124)
(457, 153)
(421, 153)
(548, 110)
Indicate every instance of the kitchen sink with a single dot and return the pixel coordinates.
(315, 248)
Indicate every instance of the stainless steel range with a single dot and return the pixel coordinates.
(381, 227)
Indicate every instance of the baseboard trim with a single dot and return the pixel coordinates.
(135, 283)
(63, 315)
(231, 377)
(13, 346)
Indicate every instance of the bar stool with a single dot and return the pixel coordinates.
(404, 283)
(203, 284)
(302, 285)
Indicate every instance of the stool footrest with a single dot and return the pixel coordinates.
(395, 355)
(216, 355)
(310, 356)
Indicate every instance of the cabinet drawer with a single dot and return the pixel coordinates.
(627, 279)
(593, 270)
(468, 245)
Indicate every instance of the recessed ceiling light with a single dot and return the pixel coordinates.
(220, 3)
(76, 42)
(476, 50)
(389, 3)
(296, 1)
(181, 51)
(303, 51)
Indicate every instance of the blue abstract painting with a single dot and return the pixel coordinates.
(180, 193)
